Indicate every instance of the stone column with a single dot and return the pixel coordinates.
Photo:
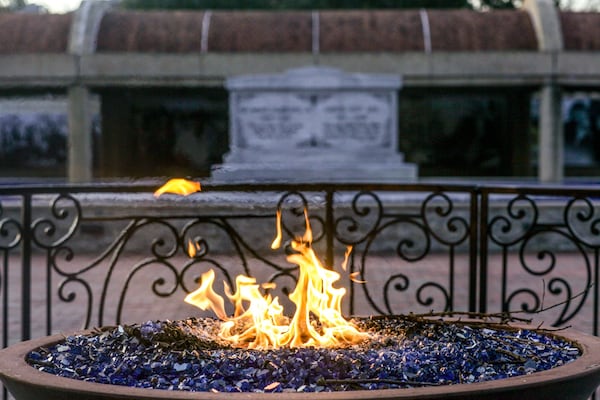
(82, 40)
(546, 22)
(551, 142)
(79, 165)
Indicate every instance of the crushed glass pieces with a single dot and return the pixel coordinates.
(187, 355)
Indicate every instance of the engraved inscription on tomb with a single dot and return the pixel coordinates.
(355, 119)
(288, 120)
(265, 119)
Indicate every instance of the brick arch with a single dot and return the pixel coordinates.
(581, 31)
(34, 33)
(292, 31)
(340, 31)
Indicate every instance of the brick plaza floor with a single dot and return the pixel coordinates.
(141, 304)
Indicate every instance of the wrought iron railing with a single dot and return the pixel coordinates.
(83, 256)
(546, 233)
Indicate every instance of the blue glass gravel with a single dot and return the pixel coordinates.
(402, 353)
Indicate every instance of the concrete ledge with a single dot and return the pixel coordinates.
(228, 64)
(495, 64)
(27, 70)
(141, 67)
(417, 69)
(493, 68)
(577, 68)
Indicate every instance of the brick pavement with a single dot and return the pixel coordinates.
(140, 304)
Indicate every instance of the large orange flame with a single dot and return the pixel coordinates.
(259, 321)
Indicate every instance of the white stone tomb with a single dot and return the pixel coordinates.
(314, 124)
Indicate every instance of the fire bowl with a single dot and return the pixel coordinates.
(575, 380)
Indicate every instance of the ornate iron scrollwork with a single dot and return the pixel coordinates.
(54, 230)
(11, 231)
(538, 238)
(521, 234)
(437, 222)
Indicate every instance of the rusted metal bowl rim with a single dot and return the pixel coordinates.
(583, 373)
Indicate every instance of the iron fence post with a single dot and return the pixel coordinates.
(329, 230)
(473, 243)
(596, 293)
(483, 250)
(26, 268)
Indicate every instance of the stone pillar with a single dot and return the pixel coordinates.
(546, 22)
(82, 40)
(551, 142)
(79, 165)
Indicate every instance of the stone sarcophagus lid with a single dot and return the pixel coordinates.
(314, 124)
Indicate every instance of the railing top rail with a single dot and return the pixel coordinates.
(150, 187)
(542, 189)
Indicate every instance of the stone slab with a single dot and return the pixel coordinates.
(312, 123)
